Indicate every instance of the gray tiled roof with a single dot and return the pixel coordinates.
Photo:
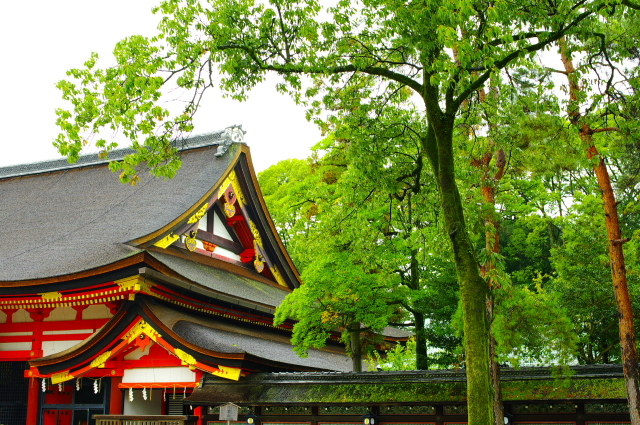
(405, 387)
(277, 351)
(224, 281)
(217, 335)
(192, 142)
(396, 333)
(57, 220)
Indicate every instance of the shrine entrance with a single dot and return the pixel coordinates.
(72, 403)
(13, 393)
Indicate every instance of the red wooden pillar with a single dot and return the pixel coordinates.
(38, 315)
(199, 412)
(33, 398)
(115, 398)
(9, 313)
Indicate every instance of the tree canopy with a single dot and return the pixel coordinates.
(416, 68)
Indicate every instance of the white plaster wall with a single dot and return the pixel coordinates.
(15, 346)
(21, 316)
(158, 374)
(139, 406)
(52, 347)
(136, 354)
(219, 229)
(61, 314)
(96, 311)
(69, 331)
(226, 253)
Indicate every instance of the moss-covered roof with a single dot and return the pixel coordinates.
(407, 387)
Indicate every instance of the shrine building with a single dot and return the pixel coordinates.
(153, 304)
(116, 299)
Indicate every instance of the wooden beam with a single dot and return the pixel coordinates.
(116, 397)
(63, 325)
(227, 244)
(19, 355)
(33, 399)
(129, 261)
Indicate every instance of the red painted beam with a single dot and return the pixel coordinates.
(58, 337)
(116, 397)
(63, 325)
(102, 373)
(18, 355)
(33, 399)
(179, 386)
(134, 364)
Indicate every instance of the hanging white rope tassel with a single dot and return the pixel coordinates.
(144, 393)
(95, 386)
(44, 384)
(164, 394)
(130, 394)
(78, 384)
(59, 387)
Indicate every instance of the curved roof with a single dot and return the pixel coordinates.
(408, 387)
(210, 340)
(58, 221)
(223, 281)
(265, 344)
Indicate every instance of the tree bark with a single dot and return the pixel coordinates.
(473, 288)
(356, 348)
(619, 277)
(489, 181)
(422, 358)
(492, 246)
(616, 253)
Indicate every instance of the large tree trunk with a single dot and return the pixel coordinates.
(474, 291)
(422, 358)
(489, 181)
(356, 347)
(619, 277)
(616, 254)
(492, 246)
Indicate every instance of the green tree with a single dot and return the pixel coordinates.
(401, 47)
(345, 295)
(583, 281)
(383, 212)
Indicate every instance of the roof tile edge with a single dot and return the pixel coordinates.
(218, 138)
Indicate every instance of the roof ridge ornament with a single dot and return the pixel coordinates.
(230, 135)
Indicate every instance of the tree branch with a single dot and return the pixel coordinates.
(515, 54)
(605, 129)
(630, 4)
(300, 69)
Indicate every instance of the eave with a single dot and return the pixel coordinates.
(120, 281)
(241, 176)
(133, 319)
(407, 387)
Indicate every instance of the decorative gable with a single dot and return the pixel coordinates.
(230, 226)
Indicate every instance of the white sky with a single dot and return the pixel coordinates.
(41, 39)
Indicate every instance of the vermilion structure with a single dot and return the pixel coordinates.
(117, 299)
